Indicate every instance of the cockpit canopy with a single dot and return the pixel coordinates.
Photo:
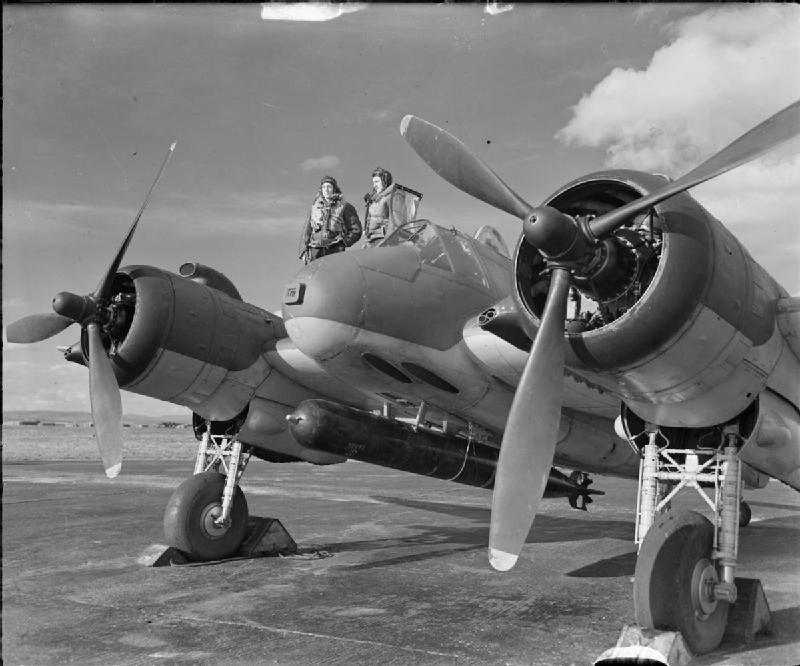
(424, 236)
(452, 251)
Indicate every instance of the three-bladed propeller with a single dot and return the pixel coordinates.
(531, 433)
(92, 313)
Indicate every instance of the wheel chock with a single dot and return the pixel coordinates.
(266, 536)
(637, 645)
(750, 615)
(159, 555)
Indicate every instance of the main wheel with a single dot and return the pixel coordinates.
(189, 518)
(675, 577)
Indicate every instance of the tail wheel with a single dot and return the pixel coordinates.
(191, 511)
(675, 578)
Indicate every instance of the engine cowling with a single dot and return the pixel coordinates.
(681, 323)
(186, 342)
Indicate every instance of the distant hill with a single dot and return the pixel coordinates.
(86, 417)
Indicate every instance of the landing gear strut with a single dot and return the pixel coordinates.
(685, 572)
(206, 517)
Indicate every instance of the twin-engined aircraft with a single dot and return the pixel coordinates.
(630, 334)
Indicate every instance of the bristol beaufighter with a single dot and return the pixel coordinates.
(630, 334)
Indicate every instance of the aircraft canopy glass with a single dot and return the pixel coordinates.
(447, 249)
(423, 236)
(403, 204)
(464, 256)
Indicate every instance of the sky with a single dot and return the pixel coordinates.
(265, 100)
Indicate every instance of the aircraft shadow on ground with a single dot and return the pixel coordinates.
(774, 537)
(771, 533)
(785, 623)
(461, 539)
(612, 567)
(546, 528)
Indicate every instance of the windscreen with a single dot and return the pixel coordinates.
(424, 237)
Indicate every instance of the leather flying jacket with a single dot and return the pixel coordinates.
(330, 222)
(378, 224)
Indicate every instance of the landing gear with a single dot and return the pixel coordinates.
(675, 580)
(206, 517)
(191, 519)
(685, 572)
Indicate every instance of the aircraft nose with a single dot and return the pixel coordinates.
(323, 305)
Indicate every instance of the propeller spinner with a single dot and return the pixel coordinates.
(92, 313)
(529, 439)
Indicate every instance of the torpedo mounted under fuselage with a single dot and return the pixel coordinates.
(415, 447)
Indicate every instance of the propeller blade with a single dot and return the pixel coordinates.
(774, 131)
(37, 327)
(529, 440)
(104, 288)
(106, 403)
(456, 163)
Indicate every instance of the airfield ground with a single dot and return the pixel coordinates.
(392, 570)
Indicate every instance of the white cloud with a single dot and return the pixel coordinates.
(725, 70)
(495, 8)
(324, 162)
(308, 11)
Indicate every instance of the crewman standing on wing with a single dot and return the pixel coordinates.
(379, 223)
(332, 223)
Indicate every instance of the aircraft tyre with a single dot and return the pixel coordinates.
(745, 514)
(189, 518)
(674, 578)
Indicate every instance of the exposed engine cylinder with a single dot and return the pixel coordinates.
(654, 303)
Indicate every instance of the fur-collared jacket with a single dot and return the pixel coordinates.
(379, 222)
(330, 222)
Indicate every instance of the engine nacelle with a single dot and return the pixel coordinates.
(183, 341)
(683, 327)
(210, 276)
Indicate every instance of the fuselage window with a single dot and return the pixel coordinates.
(429, 377)
(385, 367)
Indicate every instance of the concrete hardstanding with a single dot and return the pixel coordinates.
(391, 569)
